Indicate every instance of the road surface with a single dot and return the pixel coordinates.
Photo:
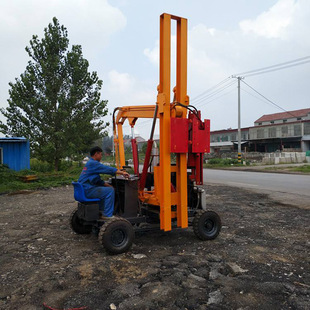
(287, 188)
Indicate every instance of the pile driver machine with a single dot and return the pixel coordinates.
(167, 195)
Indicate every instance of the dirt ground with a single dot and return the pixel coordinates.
(259, 261)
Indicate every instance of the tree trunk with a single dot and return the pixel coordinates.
(56, 163)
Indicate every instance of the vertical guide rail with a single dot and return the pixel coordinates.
(163, 100)
(135, 155)
(115, 141)
(181, 96)
(148, 152)
(121, 145)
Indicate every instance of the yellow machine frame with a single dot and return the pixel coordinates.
(162, 195)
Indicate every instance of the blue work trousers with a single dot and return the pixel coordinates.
(106, 196)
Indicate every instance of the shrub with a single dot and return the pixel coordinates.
(222, 161)
(215, 161)
(40, 166)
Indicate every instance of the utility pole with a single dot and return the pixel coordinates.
(239, 78)
(239, 122)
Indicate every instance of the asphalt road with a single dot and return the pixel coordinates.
(287, 188)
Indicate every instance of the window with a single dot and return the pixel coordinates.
(285, 120)
(260, 133)
(224, 138)
(299, 118)
(284, 130)
(297, 130)
(272, 132)
(272, 122)
(307, 128)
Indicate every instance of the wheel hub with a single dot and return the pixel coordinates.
(209, 225)
(118, 237)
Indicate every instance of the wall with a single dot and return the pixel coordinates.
(284, 157)
(277, 131)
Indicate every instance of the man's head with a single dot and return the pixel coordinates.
(96, 153)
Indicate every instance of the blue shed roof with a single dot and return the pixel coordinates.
(13, 139)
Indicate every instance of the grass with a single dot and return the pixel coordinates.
(221, 162)
(304, 169)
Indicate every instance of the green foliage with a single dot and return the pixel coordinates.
(11, 181)
(304, 169)
(56, 102)
(6, 175)
(40, 166)
(220, 162)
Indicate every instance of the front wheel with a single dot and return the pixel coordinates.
(116, 235)
(207, 225)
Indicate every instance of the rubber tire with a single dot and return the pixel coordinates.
(116, 235)
(77, 224)
(207, 225)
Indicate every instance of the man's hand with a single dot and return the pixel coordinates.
(124, 173)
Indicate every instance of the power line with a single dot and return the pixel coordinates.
(215, 89)
(281, 66)
(258, 98)
(207, 96)
(276, 105)
(207, 102)
(211, 88)
(271, 70)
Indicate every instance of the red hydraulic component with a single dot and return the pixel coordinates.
(146, 164)
(200, 135)
(179, 135)
(194, 162)
(135, 156)
(199, 143)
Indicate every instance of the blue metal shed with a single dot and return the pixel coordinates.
(15, 152)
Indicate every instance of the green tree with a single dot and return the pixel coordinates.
(56, 102)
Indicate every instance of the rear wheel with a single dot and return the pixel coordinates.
(207, 225)
(116, 235)
(77, 224)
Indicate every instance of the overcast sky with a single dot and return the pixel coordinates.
(120, 40)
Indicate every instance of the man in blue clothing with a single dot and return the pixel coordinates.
(94, 187)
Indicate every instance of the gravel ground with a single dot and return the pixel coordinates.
(259, 261)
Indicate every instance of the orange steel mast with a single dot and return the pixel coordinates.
(162, 195)
(165, 113)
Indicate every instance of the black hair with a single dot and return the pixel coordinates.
(94, 150)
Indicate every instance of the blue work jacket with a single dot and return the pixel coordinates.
(90, 175)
